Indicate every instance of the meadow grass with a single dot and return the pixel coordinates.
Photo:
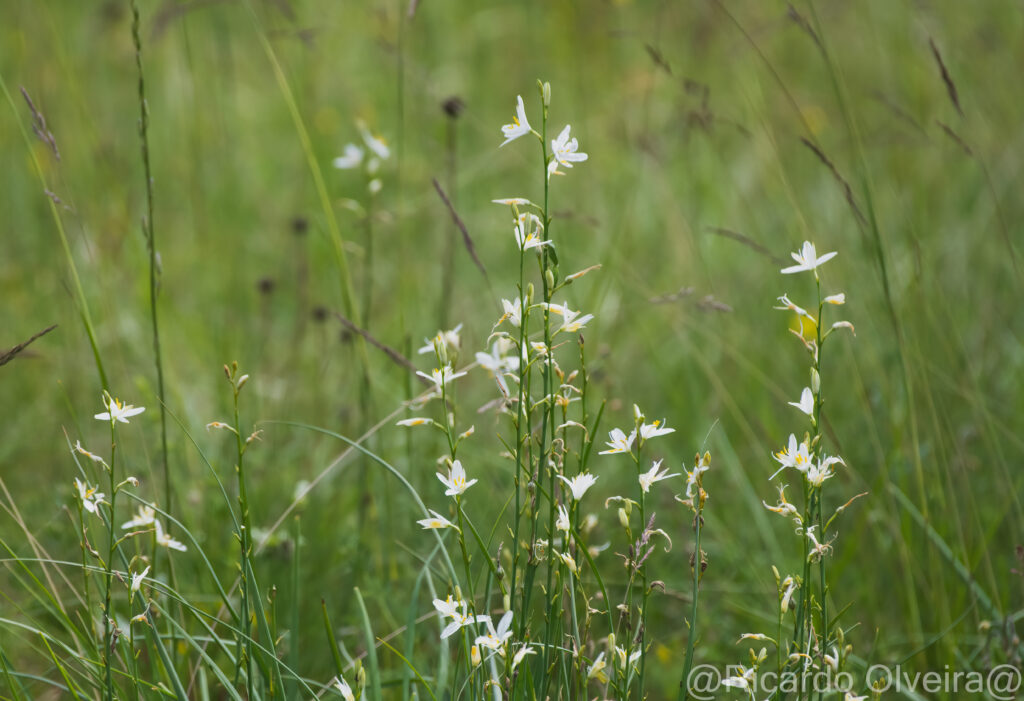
(720, 137)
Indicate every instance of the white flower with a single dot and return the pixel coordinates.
(619, 442)
(520, 126)
(457, 611)
(90, 497)
(568, 560)
(836, 299)
(596, 670)
(806, 403)
(441, 377)
(623, 660)
(742, 681)
(807, 259)
(352, 158)
(497, 361)
(455, 480)
(579, 484)
(344, 688)
(562, 524)
(137, 579)
(82, 451)
(798, 456)
(571, 321)
(513, 311)
(523, 652)
(144, 516)
(653, 430)
(528, 231)
(495, 639)
(436, 521)
(374, 143)
(651, 476)
(116, 411)
(564, 152)
(693, 477)
(167, 541)
(446, 339)
(818, 473)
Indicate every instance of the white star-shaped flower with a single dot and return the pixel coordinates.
(651, 476)
(116, 411)
(455, 480)
(579, 484)
(807, 259)
(620, 442)
(564, 151)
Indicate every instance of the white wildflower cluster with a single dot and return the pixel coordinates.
(817, 643)
(369, 157)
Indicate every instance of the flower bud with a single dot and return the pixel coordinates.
(549, 276)
(474, 655)
(815, 381)
(545, 93)
(623, 517)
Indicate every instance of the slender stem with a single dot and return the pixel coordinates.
(684, 682)
(108, 618)
(244, 632)
(147, 227)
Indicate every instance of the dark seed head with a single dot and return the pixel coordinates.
(453, 106)
(265, 285)
(300, 225)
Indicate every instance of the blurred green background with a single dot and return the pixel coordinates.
(721, 135)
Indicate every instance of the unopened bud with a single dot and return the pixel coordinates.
(549, 275)
(623, 517)
(545, 93)
(815, 381)
(474, 655)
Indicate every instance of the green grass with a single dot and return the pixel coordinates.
(248, 104)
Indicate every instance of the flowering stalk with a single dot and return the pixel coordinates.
(244, 646)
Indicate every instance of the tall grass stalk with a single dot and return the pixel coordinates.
(154, 272)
